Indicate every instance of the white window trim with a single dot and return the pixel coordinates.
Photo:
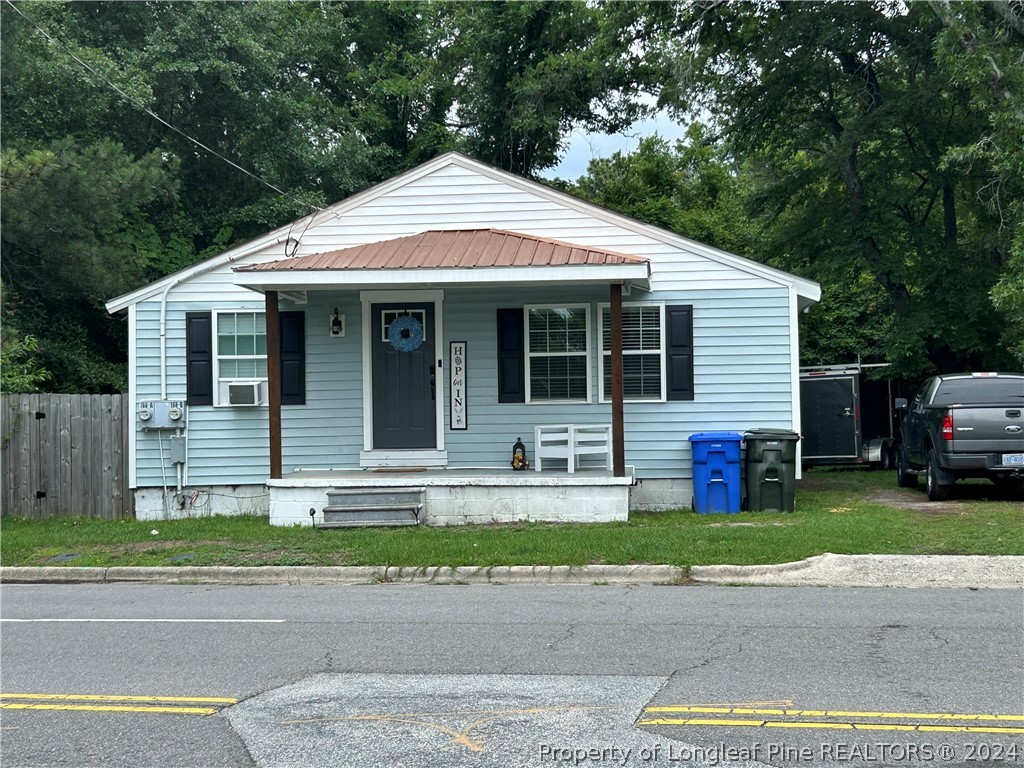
(606, 306)
(218, 400)
(367, 299)
(528, 355)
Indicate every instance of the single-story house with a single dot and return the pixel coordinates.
(391, 350)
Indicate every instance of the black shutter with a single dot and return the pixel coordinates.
(511, 360)
(199, 358)
(680, 352)
(293, 358)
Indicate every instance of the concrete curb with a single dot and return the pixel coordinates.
(828, 570)
(970, 571)
(515, 574)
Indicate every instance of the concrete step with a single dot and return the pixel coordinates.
(355, 507)
(367, 523)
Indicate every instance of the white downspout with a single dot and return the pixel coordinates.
(163, 354)
(163, 307)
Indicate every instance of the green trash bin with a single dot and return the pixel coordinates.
(771, 469)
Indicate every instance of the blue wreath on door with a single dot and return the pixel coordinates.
(405, 333)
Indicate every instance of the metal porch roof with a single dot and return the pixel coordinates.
(453, 249)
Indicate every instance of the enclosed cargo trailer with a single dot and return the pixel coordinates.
(847, 418)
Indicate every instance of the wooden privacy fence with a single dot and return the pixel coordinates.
(65, 455)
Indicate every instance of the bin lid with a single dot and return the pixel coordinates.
(716, 437)
(771, 433)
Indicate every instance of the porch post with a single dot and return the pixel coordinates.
(274, 383)
(618, 433)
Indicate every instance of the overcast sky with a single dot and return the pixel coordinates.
(583, 147)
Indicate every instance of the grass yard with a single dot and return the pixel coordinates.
(847, 511)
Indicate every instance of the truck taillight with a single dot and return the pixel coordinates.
(947, 427)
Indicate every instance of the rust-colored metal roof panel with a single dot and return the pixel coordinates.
(461, 249)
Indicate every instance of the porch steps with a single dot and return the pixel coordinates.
(373, 507)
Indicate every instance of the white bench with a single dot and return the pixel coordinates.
(570, 442)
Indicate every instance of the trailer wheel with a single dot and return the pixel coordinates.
(903, 478)
(887, 459)
(936, 492)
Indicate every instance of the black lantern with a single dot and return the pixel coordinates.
(519, 460)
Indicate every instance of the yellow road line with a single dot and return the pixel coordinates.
(821, 724)
(103, 697)
(111, 708)
(833, 713)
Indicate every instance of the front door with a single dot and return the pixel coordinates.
(404, 381)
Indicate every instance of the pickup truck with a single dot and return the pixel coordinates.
(962, 425)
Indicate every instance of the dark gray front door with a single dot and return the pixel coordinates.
(404, 377)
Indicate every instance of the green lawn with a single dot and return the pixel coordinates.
(844, 511)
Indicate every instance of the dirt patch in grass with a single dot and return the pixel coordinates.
(916, 501)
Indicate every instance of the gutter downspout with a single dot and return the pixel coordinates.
(163, 307)
(163, 349)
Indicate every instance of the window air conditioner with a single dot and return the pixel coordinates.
(245, 393)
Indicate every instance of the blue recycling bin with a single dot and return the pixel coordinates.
(716, 471)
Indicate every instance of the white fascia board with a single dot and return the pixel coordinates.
(293, 230)
(311, 280)
(805, 288)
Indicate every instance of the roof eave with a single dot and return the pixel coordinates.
(634, 274)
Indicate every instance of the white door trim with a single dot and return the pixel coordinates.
(367, 298)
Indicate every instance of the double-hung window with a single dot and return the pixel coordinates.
(241, 350)
(643, 352)
(558, 353)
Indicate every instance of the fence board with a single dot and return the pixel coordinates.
(77, 456)
(68, 421)
(119, 457)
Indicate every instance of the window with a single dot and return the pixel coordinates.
(558, 353)
(241, 350)
(643, 352)
(217, 351)
(388, 316)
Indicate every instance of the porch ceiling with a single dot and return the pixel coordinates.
(449, 257)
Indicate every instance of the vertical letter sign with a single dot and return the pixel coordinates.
(457, 386)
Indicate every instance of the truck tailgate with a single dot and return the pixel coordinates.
(992, 429)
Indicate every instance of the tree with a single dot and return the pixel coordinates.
(691, 188)
(529, 72)
(74, 232)
(981, 48)
(849, 121)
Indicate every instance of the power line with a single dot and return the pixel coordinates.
(154, 115)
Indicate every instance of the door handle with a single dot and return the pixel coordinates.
(433, 384)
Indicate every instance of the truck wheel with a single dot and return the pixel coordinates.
(903, 478)
(936, 492)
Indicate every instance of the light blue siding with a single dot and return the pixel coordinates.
(742, 376)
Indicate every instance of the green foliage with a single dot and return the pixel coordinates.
(875, 147)
(981, 48)
(692, 188)
(75, 231)
(20, 371)
(848, 121)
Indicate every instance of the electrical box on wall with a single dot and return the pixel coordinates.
(161, 414)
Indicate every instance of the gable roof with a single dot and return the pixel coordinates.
(807, 289)
(452, 249)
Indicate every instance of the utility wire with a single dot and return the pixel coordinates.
(155, 116)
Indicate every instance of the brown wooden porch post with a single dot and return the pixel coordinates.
(274, 383)
(618, 428)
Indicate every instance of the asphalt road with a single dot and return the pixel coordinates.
(391, 675)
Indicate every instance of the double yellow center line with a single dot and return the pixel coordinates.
(755, 717)
(163, 705)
